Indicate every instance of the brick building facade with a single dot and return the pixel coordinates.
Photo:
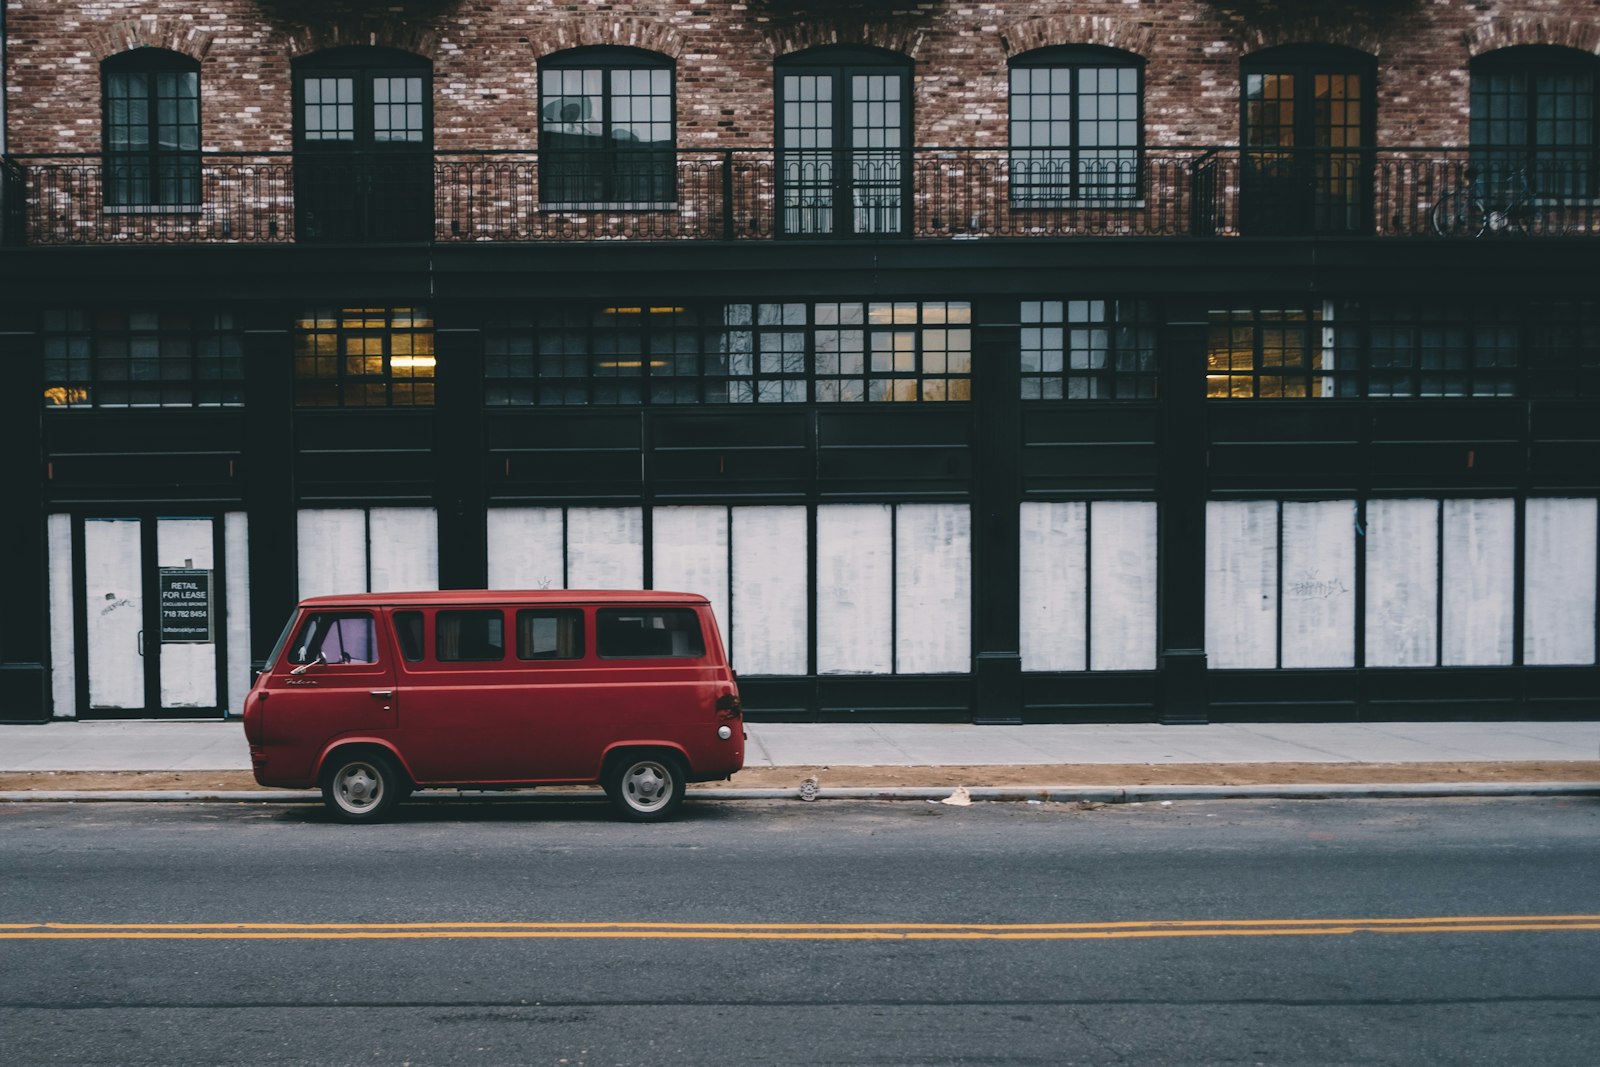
(1125, 359)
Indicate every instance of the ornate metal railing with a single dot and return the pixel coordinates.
(761, 194)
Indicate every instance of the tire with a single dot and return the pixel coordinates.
(362, 787)
(645, 787)
(1460, 215)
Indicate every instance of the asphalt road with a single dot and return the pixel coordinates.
(753, 933)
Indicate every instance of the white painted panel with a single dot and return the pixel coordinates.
(236, 546)
(855, 589)
(1479, 567)
(1055, 586)
(1242, 583)
(188, 669)
(768, 631)
(690, 554)
(1559, 582)
(605, 548)
(332, 551)
(1319, 583)
(527, 547)
(114, 612)
(1402, 583)
(1122, 586)
(63, 641)
(933, 589)
(405, 549)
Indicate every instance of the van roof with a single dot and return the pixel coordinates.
(502, 597)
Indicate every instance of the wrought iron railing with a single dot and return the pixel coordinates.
(760, 194)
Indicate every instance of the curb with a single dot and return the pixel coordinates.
(1013, 794)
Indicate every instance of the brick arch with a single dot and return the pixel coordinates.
(125, 35)
(382, 33)
(1314, 30)
(1497, 33)
(1105, 30)
(817, 33)
(625, 33)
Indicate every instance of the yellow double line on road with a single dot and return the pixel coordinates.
(1457, 924)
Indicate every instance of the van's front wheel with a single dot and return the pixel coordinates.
(362, 787)
(646, 788)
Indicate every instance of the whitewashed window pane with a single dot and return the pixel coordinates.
(933, 589)
(188, 669)
(605, 548)
(236, 546)
(1479, 581)
(690, 554)
(63, 640)
(1055, 586)
(331, 548)
(114, 612)
(405, 549)
(1242, 584)
(1559, 582)
(768, 630)
(1402, 583)
(1122, 586)
(527, 547)
(855, 589)
(1319, 583)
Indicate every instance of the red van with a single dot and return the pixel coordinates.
(374, 695)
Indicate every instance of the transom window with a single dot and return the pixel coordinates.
(1431, 349)
(831, 351)
(1533, 111)
(151, 128)
(1088, 349)
(1268, 352)
(1076, 126)
(606, 128)
(145, 357)
(364, 357)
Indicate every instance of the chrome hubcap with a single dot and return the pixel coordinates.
(647, 786)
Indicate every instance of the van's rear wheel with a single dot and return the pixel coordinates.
(362, 786)
(646, 788)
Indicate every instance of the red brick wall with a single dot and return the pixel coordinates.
(486, 52)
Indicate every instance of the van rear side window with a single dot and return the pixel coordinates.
(478, 636)
(330, 638)
(549, 635)
(665, 633)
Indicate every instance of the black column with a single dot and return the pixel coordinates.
(1182, 523)
(269, 483)
(24, 581)
(459, 457)
(996, 491)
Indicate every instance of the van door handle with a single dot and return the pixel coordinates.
(383, 694)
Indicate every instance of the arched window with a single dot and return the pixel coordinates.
(606, 129)
(1076, 126)
(844, 136)
(1308, 112)
(1533, 110)
(151, 128)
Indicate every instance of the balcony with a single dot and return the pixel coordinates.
(739, 195)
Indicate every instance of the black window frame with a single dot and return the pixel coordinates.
(162, 356)
(1057, 347)
(1068, 188)
(1502, 162)
(153, 177)
(342, 386)
(606, 176)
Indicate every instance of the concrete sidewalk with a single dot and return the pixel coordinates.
(1062, 753)
(148, 745)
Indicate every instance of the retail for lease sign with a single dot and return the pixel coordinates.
(185, 605)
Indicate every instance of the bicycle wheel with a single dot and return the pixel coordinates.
(1460, 215)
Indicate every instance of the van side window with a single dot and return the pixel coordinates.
(656, 633)
(408, 628)
(469, 636)
(549, 635)
(327, 637)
